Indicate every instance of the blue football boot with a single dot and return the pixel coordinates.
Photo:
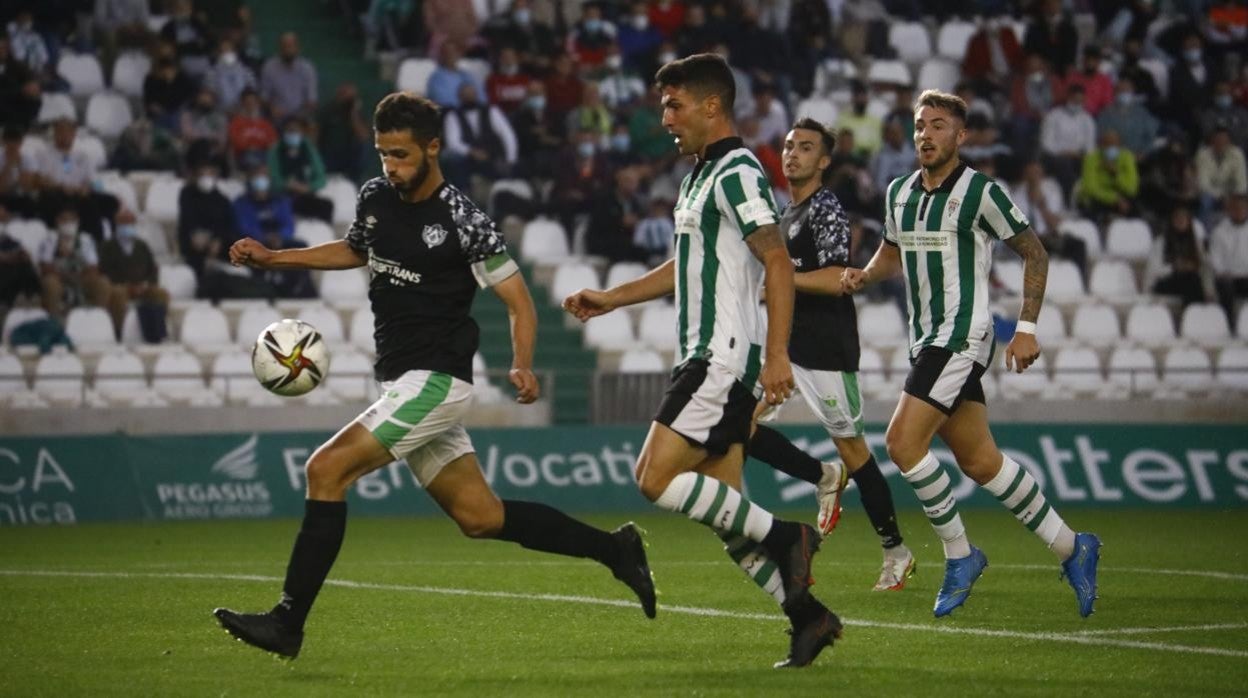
(960, 576)
(1080, 570)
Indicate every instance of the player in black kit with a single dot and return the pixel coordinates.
(823, 348)
(428, 248)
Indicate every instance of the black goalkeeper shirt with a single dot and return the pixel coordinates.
(825, 328)
(424, 262)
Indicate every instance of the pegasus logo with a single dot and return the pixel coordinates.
(240, 463)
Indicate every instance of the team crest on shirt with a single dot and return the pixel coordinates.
(951, 208)
(433, 235)
(370, 222)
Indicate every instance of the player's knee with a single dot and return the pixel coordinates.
(480, 522)
(651, 486)
(327, 471)
(982, 465)
(903, 449)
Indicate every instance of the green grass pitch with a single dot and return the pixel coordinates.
(413, 608)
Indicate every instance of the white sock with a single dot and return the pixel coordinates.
(753, 560)
(935, 492)
(715, 504)
(1018, 491)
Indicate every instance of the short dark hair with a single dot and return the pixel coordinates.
(826, 137)
(400, 111)
(704, 74)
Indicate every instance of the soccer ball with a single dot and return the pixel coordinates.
(290, 358)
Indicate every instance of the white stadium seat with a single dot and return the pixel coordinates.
(345, 287)
(1128, 238)
(1095, 324)
(12, 376)
(17, 316)
(478, 68)
(326, 320)
(910, 40)
(642, 361)
(362, 330)
(161, 201)
(887, 72)
(1150, 324)
(205, 330)
(1187, 369)
(881, 324)
(350, 375)
(871, 372)
(178, 377)
(1205, 324)
(571, 277)
(1233, 369)
(544, 242)
(657, 327)
(120, 378)
(234, 380)
(516, 187)
(91, 148)
(940, 74)
(59, 377)
(1065, 283)
(818, 108)
(129, 71)
(1031, 383)
(108, 114)
(953, 38)
(252, 321)
(83, 73)
(178, 279)
(1241, 322)
(1085, 230)
(56, 106)
(342, 192)
(29, 233)
(313, 232)
(1132, 370)
(1159, 69)
(612, 332)
(1010, 273)
(1113, 280)
(115, 183)
(1077, 373)
(90, 329)
(1051, 327)
(833, 77)
(621, 272)
(414, 74)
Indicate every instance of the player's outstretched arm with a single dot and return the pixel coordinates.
(514, 293)
(885, 263)
(330, 255)
(1024, 349)
(767, 244)
(820, 282)
(658, 282)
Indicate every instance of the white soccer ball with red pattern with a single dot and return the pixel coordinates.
(290, 358)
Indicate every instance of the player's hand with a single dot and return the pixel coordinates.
(249, 252)
(587, 303)
(1022, 352)
(777, 379)
(527, 388)
(853, 280)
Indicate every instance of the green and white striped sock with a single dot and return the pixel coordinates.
(935, 492)
(753, 560)
(715, 504)
(1014, 487)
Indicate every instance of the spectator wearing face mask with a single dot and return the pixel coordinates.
(288, 81)
(479, 141)
(189, 32)
(563, 89)
(447, 79)
(1220, 172)
(582, 174)
(166, 90)
(128, 264)
(1067, 133)
(1110, 182)
(589, 39)
(1223, 112)
(206, 222)
(533, 40)
(538, 142)
(618, 85)
(1228, 254)
(1098, 88)
(1052, 34)
(69, 268)
(297, 170)
(346, 139)
(1177, 265)
(229, 77)
(146, 146)
(591, 115)
(251, 134)
(263, 211)
(993, 55)
(204, 129)
(867, 129)
(508, 85)
(1128, 116)
(637, 38)
(1191, 84)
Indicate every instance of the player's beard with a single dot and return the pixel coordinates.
(422, 173)
(940, 162)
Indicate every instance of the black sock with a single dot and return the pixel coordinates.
(781, 536)
(540, 527)
(774, 449)
(877, 499)
(316, 548)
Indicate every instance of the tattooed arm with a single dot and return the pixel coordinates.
(1024, 349)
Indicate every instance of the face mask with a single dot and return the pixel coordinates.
(229, 58)
(294, 140)
(1037, 76)
(1074, 108)
(260, 183)
(1193, 55)
(620, 142)
(1222, 101)
(1111, 153)
(510, 69)
(206, 183)
(68, 228)
(614, 62)
(523, 16)
(126, 232)
(667, 56)
(585, 150)
(640, 22)
(1126, 99)
(537, 102)
(593, 25)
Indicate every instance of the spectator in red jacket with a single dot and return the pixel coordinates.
(1098, 88)
(251, 134)
(993, 55)
(508, 85)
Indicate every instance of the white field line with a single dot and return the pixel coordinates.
(1161, 629)
(1208, 574)
(685, 610)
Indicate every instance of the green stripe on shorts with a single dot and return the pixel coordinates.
(854, 397)
(435, 390)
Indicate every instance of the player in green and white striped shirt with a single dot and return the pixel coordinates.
(940, 224)
(727, 242)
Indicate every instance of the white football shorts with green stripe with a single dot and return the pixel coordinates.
(832, 395)
(419, 419)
